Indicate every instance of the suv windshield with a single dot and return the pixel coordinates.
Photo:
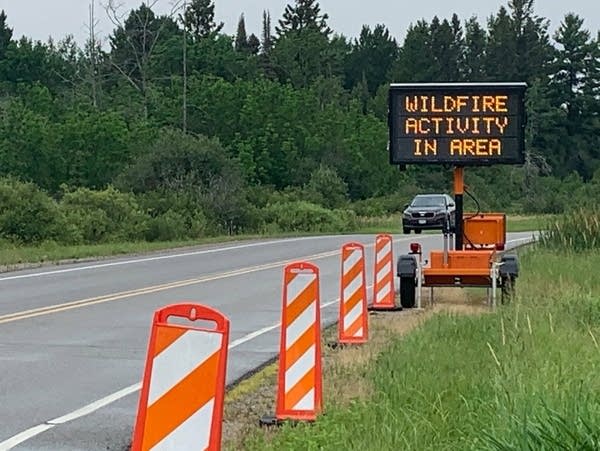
(429, 201)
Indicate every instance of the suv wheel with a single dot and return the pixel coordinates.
(406, 231)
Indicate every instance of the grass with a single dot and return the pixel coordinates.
(514, 223)
(522, 378)
(573, 232)
(13, 255)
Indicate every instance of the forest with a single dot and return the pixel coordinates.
(173, 129)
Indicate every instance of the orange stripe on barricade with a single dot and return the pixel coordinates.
(353, 320)
(384, 295)
(299, 391)
(181, 401)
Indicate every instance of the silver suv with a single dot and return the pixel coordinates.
(429, 212)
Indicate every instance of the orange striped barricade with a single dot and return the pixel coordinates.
(299, 387)
(181, 401)
(353, 323)
(384, 295)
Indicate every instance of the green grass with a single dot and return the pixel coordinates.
(11, 255)
(514, 223)
(523, 378)
(573, 232)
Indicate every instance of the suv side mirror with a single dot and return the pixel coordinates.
(451, 204)
(406, 206)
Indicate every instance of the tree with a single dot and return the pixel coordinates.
(501, 48)
(573, 83)
(446, 47)
(199, 18)
(267, 38)
(475, 51)
(253, 44)
(306, 14)
(414, 63)
(371, 58)
(134, 42)
(241, 38)
(532, 42)
(6, 34)
(518, 44)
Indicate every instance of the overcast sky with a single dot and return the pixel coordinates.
(40, 19)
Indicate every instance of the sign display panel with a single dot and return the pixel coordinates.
(469, 124)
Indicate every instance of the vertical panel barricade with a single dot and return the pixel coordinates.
(181, 401)
(299, 392)
(384, 295)
(353, 321)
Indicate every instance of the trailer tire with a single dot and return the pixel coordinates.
(407, 292)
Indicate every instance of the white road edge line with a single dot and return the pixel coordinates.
(160, 257)
(96, 405)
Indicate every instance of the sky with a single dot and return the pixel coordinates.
(39, 19)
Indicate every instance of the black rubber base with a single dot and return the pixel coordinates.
(386, 309)
(270, 421)
(273, 421)
(338, 345)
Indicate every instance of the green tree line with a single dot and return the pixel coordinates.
(284, 128)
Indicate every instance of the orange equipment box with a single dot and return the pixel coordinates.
(484, 231)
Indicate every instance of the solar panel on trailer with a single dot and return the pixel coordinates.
(467, 124)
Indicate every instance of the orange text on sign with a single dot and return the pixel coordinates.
(457, 104)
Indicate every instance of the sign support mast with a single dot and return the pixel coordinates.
(459, 189)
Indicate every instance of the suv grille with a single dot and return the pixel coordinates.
(424, 215)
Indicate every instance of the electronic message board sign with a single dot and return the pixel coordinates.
(463, 124)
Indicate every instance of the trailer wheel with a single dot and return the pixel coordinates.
(508, 289)
(407, 292)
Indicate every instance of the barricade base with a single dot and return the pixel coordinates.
(273, 421)
(384, 308)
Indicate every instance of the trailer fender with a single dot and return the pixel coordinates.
(407, 266)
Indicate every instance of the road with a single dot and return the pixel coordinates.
(73, 338)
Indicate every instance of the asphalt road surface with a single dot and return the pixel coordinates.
(73, 338)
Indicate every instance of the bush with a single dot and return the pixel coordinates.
(28, 214)
(103, 216)
(327, 188)
(302, 216)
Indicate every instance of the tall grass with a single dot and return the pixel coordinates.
(575, 231)
(523, 378)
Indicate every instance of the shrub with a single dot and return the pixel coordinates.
(28, 214)
(327, 188)
(302, 216)
(103, 216)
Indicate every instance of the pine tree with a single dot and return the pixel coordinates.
(199, 18)
(371, 58)
(267, 38)
(241, 38)
(253, 44)
(532, 42)
(501, 48)
(306, 14)
(475, 47)
(6, 34)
